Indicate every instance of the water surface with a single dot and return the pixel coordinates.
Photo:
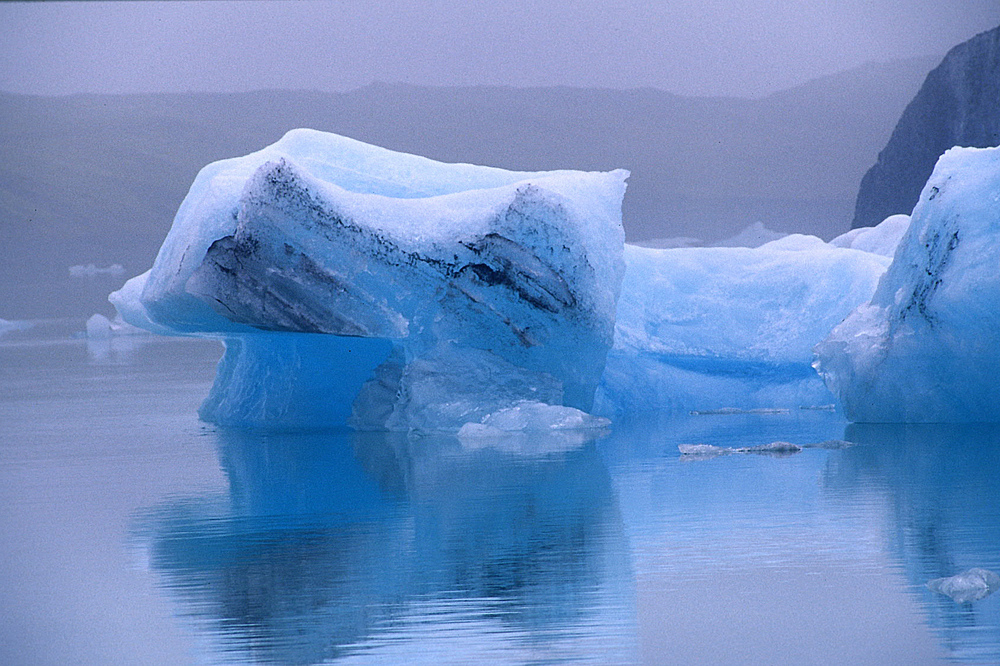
(133, 533)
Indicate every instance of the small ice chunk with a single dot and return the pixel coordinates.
(968, 586)
(533, 428)
(832, 444)
(711, 451)
(533, 416)
(729, 411)
(98, 327)
(703, 450)
(773, 447)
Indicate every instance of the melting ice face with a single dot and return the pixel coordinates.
(494, 287)
(925, 349)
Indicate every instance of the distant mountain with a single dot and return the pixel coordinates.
(958, 105)
(96, 179)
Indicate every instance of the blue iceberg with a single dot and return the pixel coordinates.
(357, 286)
(926, 348)
(352, 284)
(729, 327)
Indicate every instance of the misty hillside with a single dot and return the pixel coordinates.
(97, 178)
(958, 105)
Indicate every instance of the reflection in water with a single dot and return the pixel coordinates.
(377, 547)
(943, 487)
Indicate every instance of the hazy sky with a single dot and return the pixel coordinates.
(727, 47)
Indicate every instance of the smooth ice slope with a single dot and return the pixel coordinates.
(927, 347)
(708, 328)
(493, 286)
(881, 239)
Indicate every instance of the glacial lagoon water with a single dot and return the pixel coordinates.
(133, 533)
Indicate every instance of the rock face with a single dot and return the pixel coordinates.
(958, 105)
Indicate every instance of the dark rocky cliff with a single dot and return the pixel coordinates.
(958, 105)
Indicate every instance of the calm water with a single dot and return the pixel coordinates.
(132, 533)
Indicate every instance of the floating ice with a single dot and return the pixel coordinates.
(777, 449)
(831, 444)
(533, 428)
(703, 450)
(971, 585)
(476, 288)
(7, 326)
(98, 327)
(92, 270)
(927, 347)
(711, 328)
(732, 411)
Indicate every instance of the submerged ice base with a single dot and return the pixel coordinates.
(475, 288)
(926, 348)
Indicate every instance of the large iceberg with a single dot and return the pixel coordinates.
(926, 348)
(353, 284)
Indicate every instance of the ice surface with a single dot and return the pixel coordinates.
(475, 287)
(98, 327)
(777, 449)
(533, 416)
(926, 348)
(711, 328)
(882, 239)
(92, 270)
(971, 585)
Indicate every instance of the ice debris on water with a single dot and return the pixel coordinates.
(778, 449)
(831, 444)
(971, 585)
(532, 416)
(729, 411)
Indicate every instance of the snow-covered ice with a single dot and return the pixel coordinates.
(968, 586)
(474, 287)
(882, 239)
(926, 348)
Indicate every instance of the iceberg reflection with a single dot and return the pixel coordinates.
(367, 547)
(943, 493)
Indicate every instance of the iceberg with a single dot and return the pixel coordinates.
(352, 284)
(926, 347)
(710, 329)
